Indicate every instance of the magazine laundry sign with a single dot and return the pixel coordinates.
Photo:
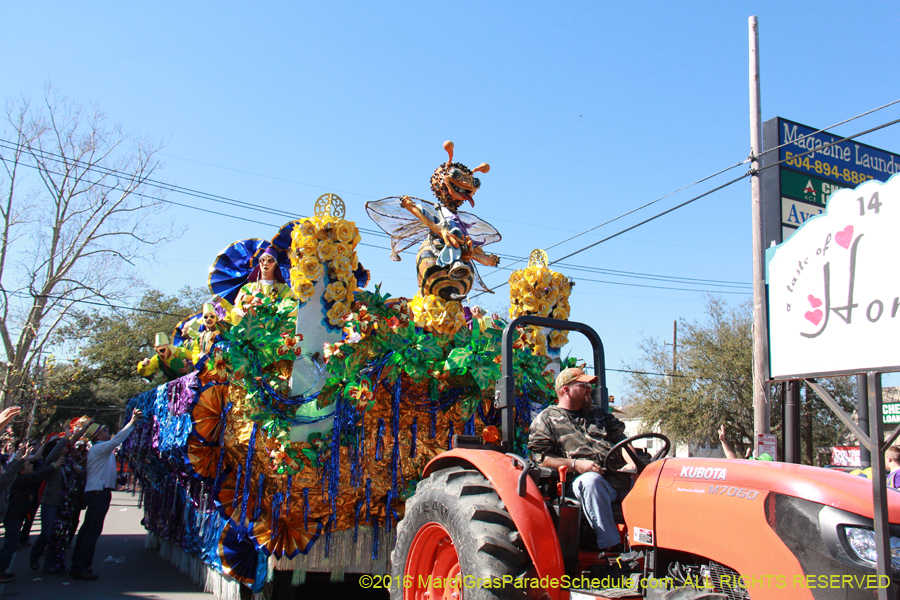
(834, 287)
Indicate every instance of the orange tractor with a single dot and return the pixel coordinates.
(485, 524)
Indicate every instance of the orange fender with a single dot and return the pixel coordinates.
(529, 513)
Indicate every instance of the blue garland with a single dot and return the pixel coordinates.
(248, 476)
(413, 436)
(306, 509)
(257, 511)
(379, 440)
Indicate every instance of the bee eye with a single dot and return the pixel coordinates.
(455, 173)
(476, 182)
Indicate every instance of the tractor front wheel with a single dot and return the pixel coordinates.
(457, 541)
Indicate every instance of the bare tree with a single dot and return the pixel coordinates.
(77, 211)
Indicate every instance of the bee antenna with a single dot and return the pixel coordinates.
(448, 146)
(482, 168)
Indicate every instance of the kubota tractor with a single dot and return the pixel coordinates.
(486, 524)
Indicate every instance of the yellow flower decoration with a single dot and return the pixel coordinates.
(436, 315)
(345, 231)
(342, 250)
(560, 313)
(536, 290)
(335, 292)
(307, 228)
(341, 268)
(302, 287)
(325, 251)
(558, 339)
(306, 244)
(310, 268)
(337, 313)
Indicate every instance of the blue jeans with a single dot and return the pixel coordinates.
(596, 496)
(86, 542)
(13, 528)
(49, 515)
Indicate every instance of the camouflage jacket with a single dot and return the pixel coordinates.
(587, 434)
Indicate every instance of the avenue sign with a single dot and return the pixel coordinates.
(833, 296)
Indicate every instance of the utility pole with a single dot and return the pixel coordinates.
(674, 346)
(761, 402)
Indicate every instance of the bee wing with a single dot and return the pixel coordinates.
(478, 284)
(405, 229)
(478, 229)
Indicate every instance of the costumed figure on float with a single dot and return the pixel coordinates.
(172, 361)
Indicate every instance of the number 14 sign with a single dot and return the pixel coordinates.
(834, 287)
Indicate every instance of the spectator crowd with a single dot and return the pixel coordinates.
(59, 477)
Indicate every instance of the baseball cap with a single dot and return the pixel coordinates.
(573, 375)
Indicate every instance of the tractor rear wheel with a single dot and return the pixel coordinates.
(457, 541)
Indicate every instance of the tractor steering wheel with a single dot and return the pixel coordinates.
(639, 464)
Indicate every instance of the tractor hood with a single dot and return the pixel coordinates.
(840, 490)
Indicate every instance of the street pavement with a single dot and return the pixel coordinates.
(143, 574)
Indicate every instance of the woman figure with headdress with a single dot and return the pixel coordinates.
(265, 279)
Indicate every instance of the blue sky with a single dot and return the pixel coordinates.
(584, 110)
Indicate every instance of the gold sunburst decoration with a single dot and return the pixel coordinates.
(331, 205)
(538, 258)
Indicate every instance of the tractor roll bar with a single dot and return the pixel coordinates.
(505, 398)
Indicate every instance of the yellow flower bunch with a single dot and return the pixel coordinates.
(325, 243)
(436, 315)
(536, 290)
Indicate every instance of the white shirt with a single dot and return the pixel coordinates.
(101, 462)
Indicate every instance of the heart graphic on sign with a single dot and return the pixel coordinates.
(843, 238)
(814, 302)
(814, 316)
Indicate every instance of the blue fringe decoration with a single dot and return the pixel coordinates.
(379, 440)
(450, 436)
(469, 428)
(375, 541)
(290, 482)
(413, 437)
(368, 500)
(248, 476)
(306, 509)
(237, 486)
(395, 454)
(257, 511)
(277, 500)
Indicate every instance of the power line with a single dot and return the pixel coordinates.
(627, 229)
(103, 304)
(202, 195)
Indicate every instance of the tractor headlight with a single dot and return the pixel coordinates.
(862, 542)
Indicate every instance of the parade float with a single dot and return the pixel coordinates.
(314, 401)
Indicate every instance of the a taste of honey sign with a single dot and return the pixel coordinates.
(834, 287)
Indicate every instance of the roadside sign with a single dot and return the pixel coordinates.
(802, 186)
(832, 301)
(767, 442)
(808, 171)
(891, 412)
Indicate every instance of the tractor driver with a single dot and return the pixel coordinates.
(578, 435)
